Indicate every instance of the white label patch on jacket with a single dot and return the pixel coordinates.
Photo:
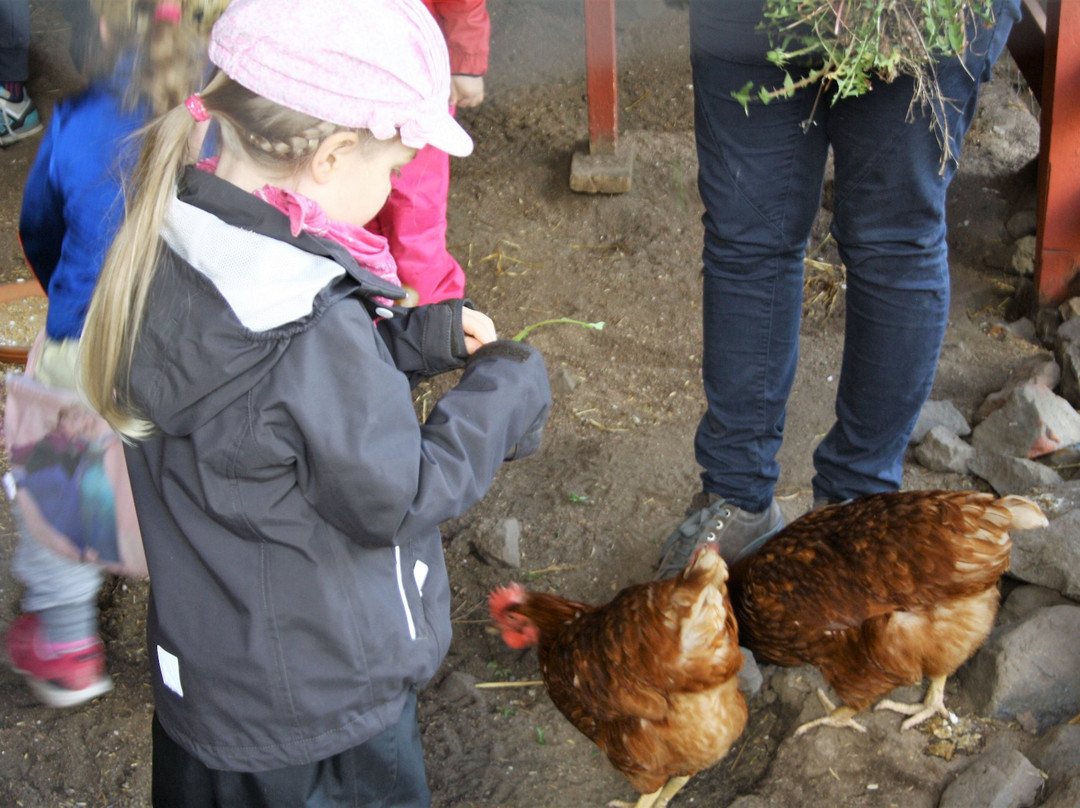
(266, 282)
(420, 571)
(169, 665)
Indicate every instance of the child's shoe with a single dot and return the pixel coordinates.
(63, 680)
(18, 119)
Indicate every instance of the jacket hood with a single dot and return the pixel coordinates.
(231, 264)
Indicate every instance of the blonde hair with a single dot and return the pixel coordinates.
(277, 138)
(169, 57)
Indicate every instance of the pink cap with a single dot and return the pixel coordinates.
(380, 65)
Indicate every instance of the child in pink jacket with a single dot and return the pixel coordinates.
(414, 217)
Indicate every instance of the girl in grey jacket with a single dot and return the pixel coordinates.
(288, 497)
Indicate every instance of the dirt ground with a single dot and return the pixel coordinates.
(616, 470)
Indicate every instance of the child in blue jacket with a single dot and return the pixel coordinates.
(147, 60)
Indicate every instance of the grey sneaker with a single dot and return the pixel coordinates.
(824, 502)
(711, 518)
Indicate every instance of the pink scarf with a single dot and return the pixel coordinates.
(370, 251)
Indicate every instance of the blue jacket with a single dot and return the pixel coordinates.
(73, 200)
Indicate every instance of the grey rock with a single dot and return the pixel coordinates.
(1058, 753)
(1023, 259)
(1047, 321)
(1032, 422)
(564, 381)
(1067, 353)
(1029, 667)
(1065, 462)
(1068, 331)
(1039, 368)
(1070, 308)
(943, 450)
(1024, 329)
(459, 687)
(1058, 500)
(1066, 796)
(1050, 556)
(1022, 223)
(1005, 779)
(1025, 599)
(939, 413)
(1012, 475)
(750, 801)
(500, 546)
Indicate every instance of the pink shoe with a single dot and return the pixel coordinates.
(63, 680)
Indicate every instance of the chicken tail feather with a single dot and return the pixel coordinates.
(1026, 515)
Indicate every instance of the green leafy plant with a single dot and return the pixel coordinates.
(844, 44)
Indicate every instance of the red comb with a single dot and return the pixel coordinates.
(502, 598)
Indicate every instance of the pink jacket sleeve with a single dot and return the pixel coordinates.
(467, 28)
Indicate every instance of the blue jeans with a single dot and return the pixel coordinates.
(760, 178)
(14, 40)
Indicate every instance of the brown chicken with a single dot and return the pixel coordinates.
(880, 592)
(650, 677)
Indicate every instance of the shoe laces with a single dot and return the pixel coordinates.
(700, 527)
(711, 518)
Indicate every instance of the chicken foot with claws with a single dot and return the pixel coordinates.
(932, 704)
(658, 799)
(842, 716)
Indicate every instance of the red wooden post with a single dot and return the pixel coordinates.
(600, 64)
(607, 168)
(1057, 243)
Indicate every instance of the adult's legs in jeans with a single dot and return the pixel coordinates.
(760, 177)
(889, 223)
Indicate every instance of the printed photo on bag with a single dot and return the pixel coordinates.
(68, 481)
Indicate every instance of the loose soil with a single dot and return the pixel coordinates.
(617, 469)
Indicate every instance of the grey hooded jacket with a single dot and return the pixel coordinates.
(290, 500)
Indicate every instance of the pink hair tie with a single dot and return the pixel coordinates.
(168, 12)
(195, 106)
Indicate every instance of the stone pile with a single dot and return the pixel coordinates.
(1025, 439)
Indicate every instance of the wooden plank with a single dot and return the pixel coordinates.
(16, 290)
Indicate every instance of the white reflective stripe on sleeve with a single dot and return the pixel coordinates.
(401, 591)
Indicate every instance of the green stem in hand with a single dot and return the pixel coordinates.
(520, 336)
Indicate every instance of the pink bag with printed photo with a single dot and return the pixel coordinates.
(68, 479)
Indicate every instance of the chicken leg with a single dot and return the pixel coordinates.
(657, 799)
(842, 716)
(933, 703)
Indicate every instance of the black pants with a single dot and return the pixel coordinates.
(384, 772)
